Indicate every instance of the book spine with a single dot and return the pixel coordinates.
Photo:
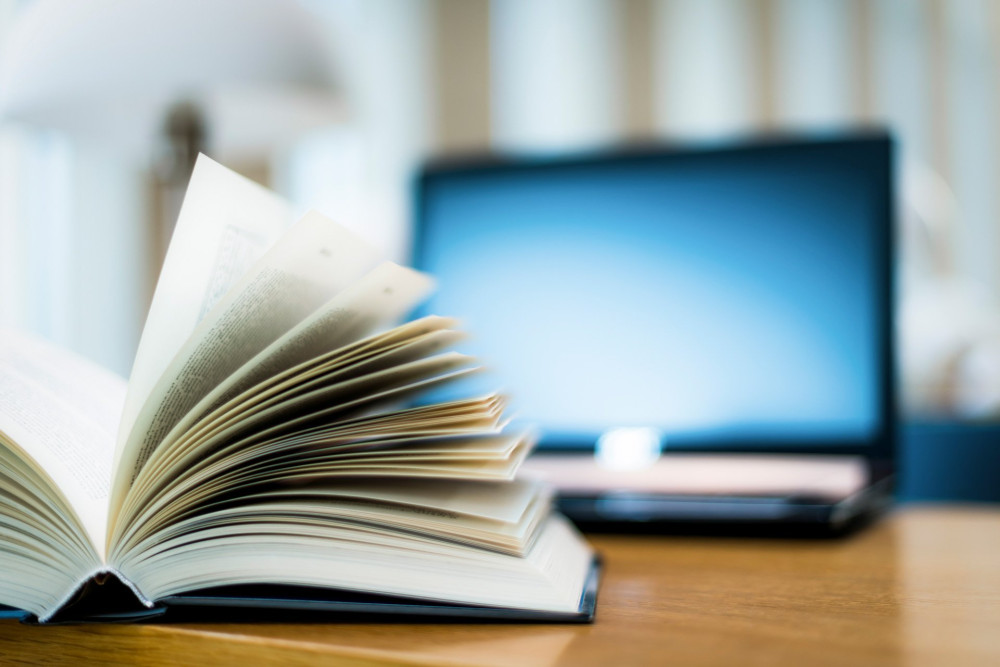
(98, 576)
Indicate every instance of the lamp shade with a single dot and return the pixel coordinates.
(258, 70)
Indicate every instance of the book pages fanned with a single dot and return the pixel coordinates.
(275, 447)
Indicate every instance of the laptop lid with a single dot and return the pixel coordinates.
(731, 298)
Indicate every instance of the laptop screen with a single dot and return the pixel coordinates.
(727, 296)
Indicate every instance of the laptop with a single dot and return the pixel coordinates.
(702, 334)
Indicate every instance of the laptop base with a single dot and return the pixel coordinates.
(792, 495)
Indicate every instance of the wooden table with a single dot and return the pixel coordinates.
(921, 587)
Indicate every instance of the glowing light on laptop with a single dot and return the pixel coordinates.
(629, 448)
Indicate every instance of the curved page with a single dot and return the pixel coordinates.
(226, 223)
(314, 261)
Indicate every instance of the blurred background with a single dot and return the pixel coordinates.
(103, 105)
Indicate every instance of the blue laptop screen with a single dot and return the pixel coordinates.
(714, 295)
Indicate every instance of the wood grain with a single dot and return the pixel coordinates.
(922, 587)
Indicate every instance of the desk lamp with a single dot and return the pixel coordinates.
(157, 81)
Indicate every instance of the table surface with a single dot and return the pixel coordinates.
(922, 586)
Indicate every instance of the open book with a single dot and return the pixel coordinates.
(266, 451)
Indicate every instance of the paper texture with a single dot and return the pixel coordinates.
(226, 224)
(312, 262)
(383, 295)
(63, 411)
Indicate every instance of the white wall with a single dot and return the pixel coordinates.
(706, 73)
(358, 172)
(556, 74)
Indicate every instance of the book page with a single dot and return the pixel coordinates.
(226, 223)
(493, 515)
(468, 417)
(63, 411)
(314, 261)
(383, 295)
(369, 559)
(496, 501)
